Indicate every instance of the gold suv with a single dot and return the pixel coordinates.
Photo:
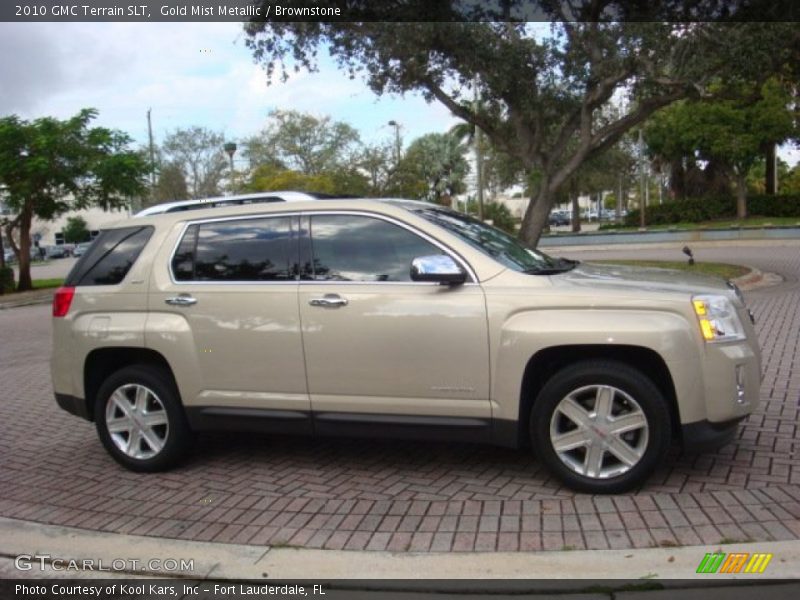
(392, 318)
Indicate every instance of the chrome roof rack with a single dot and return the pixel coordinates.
(281, 196)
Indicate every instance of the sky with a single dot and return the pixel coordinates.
(188, 74)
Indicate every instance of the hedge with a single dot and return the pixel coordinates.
(710, 208)
(6, 280)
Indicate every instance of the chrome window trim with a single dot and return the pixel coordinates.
(473, 278)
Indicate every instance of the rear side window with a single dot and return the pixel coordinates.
(241, 250)
(110, 257)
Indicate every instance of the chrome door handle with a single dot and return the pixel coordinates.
(182, 300)
(331, 300)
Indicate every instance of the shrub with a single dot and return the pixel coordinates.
(6, 280)
(501, 216)
(712, 208)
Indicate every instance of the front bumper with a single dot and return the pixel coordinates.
(704, 436)
(731, 381)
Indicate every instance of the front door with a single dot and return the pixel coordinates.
(379, 347)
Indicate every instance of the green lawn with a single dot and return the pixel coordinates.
(41, 284)
(723, 270)
(720, 224)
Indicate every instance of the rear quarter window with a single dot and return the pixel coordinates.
(110, 257)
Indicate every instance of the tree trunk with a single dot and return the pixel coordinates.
(2, 255)
(24, 254)
(770, 178)
(535, 219)
(576, 213)
(741, 196)
(677, 180)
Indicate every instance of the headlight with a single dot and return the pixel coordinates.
(718, 319)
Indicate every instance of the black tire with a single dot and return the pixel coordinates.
(650, 442)
(174, 434)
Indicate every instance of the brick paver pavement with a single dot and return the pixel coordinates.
(401, 496)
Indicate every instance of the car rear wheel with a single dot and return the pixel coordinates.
(600, 426)
(140, 420)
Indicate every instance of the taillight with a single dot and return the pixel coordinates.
(62, 301)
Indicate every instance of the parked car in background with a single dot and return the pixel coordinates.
(558, 217)
(81, 249)
(10, 257)
(59, 251)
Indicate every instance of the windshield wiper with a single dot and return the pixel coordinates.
(562, 266)
(546, 270)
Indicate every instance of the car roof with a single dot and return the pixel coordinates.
(260, 203)
(240, 199)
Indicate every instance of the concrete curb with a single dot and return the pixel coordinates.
(756, 279)
(215, 561)
(27, 299)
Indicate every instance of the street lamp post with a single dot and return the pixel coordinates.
(396, 126)
(643, 176)
(230, 149)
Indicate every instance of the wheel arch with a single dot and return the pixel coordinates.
(548, 361)
(102, 362)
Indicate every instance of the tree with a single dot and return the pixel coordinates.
(76, 230)
(791, 183)
(499, 214)
(304, 143)
(438, 159)
(379, 162)
(198, 152)
(540, 93)
(731, 133)
(341, 182)
(759, 177)
(49, 166)
(170, 185)
(498, 170)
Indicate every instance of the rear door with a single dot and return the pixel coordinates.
(234, 282)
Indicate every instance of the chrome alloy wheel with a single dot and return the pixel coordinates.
(599, 431)
(137, 421)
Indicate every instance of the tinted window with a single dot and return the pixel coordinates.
(353, 248)
(246, 250)
(110, 256)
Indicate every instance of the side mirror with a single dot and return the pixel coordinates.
(438, 268)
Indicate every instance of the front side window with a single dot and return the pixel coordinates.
(240, 250)
(361, 248)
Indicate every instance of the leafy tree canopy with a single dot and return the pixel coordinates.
(76, 230)
(304, 143)
(732, 132)
(49, 166)
(170, 185)
(270, 178)
(198, 152)
(438, 159)
(544, 90)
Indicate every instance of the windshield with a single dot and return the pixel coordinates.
(504, 248)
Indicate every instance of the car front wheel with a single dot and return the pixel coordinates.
(600, 426)
(140, 420)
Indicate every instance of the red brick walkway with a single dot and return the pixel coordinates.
(366, 494)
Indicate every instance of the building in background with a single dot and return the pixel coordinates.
(49, 233)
